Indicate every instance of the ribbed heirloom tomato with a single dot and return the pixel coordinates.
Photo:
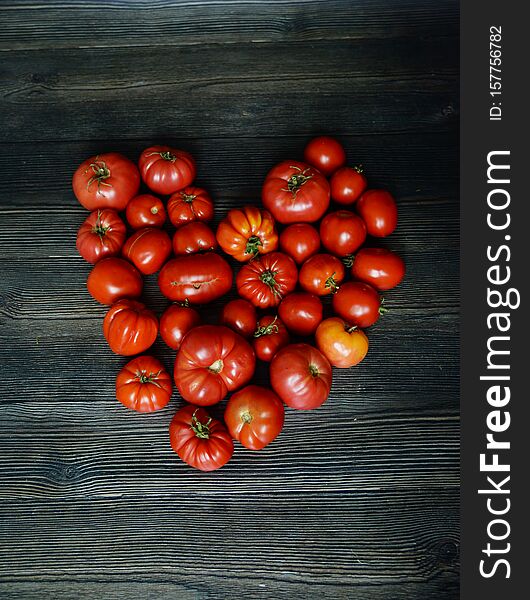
(322, 274)
(129, 327)
(175, 323)
(166, 170)
(254, 416)
(347, 184)
(148, 249)
(192, 238)
(301, 376)
(342, 232)
(358, 304)
(267, 279)
(240, 316)
(190, 204)
(144, 385)
(200, 441)
(300, 241)
(342, 345)
(325, 153)
(381, 268)
(101, 235)
(112, 279)
(145, 211)
(295, 192)
(106, 181)
(212, 361)
(269, 337)
(246, 232)
(301, 312)
(379, 211)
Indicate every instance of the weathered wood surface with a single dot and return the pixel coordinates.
(358, 499)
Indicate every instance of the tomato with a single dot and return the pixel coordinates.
(193, 237)
(129, 327)
(269, 337)
(347, 184)
(301, 312)
(240, 316)
(358, 304)
(342, 345)
(200, 441)
(254, 416)
(301, 376)
(112, 279)
(101, 235)
(246, 232)
(342, 232)
(212, 361)
(190, 204)
(148, 249)
(300, 241)
(322, 274)
(381, 268)
(266, 280)
(106, 181)
(166, 170)
(198, 278)
(145, 211)
(378, 210)
(144, 385)
(295, 192)
(175, 323)
(325, 153)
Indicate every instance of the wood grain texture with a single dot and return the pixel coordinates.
(356, 500)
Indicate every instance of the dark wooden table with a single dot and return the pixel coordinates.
(359, 499)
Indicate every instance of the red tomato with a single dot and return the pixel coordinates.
(101, 235)
(198, 278)
(266, 280)
(240, 316)
(300, 241)
(106, 181)
(192, 238)
(200, 441)
(342, 232)
(358, 304)
(175, 323)
(322, 274)
(244, 233)
(254, 416)
(190, 204)
(144, 385)
(295, 192)
(325, 153)
(112, 279)
(212, 361)
(269, 337)
(148, 249)
(166, 170)
(381, 268)
(129, 327)
(145, 211)
(301, 312)
(342, 345)
(301, 376)
(378, 210)
(347, 184)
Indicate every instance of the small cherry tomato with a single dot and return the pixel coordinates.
(347, 184)
(342, 232)
(378, 210)
(192, 238)
(381, 268)
(300, 241)
(148, 249)
(129, 327)
(145, 211)
(322, 274)
(112, 279)
(301, 312)
(101, 235)
(240, 316)
(358, 304)
(342, 345)
(269, 337)
(254, 416)
(325, 153)
(190, 204)
(144, 385)
(166, 170)
(175, 323)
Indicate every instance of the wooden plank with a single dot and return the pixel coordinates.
(90, 23)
